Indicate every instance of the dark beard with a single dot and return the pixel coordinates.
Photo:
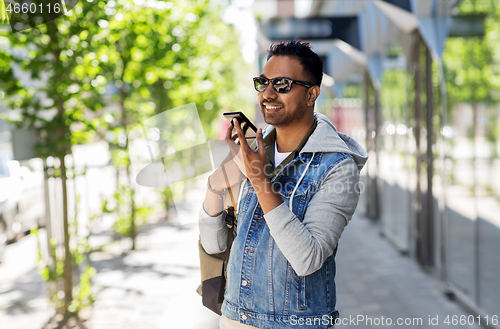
(282, 119)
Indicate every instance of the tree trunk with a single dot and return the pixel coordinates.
(124, 123)
(164, 103)
(62, 150)
(51, 262)
(133, 232)
(68, 267)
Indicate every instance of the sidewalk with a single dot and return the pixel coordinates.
(374, 280)
(23, 298)
(154, 286)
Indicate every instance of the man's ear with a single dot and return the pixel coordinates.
(312, 94)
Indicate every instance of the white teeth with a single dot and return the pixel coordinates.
(272, 107)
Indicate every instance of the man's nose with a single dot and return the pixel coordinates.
(270, 93)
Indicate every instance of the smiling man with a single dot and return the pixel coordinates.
(300, 190)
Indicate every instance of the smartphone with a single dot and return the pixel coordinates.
(247, 126)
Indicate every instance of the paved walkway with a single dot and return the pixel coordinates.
(154, 287)
(374, 281)
(23, 302)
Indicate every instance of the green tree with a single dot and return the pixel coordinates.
(394, 94)
(58, 106)
(472, 64)
(161, 58)
(472, 71)
(106, 66)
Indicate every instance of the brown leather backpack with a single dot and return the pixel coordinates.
(213, 267)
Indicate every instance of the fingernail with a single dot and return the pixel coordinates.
(260, 130)
(234, 120)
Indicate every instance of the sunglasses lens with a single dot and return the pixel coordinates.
(260, 84)
(282, 86)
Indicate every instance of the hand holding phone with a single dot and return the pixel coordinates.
(247, 126)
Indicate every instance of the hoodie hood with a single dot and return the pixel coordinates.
(326, 138)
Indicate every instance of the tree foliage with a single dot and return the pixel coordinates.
(394, 94)
(47, 95)
(105, 66)
(158, 56)
(472, 65)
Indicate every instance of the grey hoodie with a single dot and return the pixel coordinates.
(307, 244)
(326, 138)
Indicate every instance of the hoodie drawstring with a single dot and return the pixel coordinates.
(298, 182)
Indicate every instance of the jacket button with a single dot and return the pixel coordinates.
(244, 283)
(244, 317)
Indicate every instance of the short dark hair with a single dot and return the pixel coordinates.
(301, 51)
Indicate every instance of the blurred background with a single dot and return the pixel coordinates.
(415, 82)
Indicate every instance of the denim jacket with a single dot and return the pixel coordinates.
(281, 268)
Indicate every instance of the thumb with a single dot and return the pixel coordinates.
(261, 147)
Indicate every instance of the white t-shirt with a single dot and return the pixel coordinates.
(278, 156)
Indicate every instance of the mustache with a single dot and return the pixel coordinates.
(263, 104)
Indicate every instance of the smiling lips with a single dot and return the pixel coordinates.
(272, 108)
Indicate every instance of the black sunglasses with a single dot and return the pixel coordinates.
(281, 85)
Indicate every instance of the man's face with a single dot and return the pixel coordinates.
(281, 110)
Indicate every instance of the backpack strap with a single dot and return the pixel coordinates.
(230, 220)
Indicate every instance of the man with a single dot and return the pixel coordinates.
(301, 190)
